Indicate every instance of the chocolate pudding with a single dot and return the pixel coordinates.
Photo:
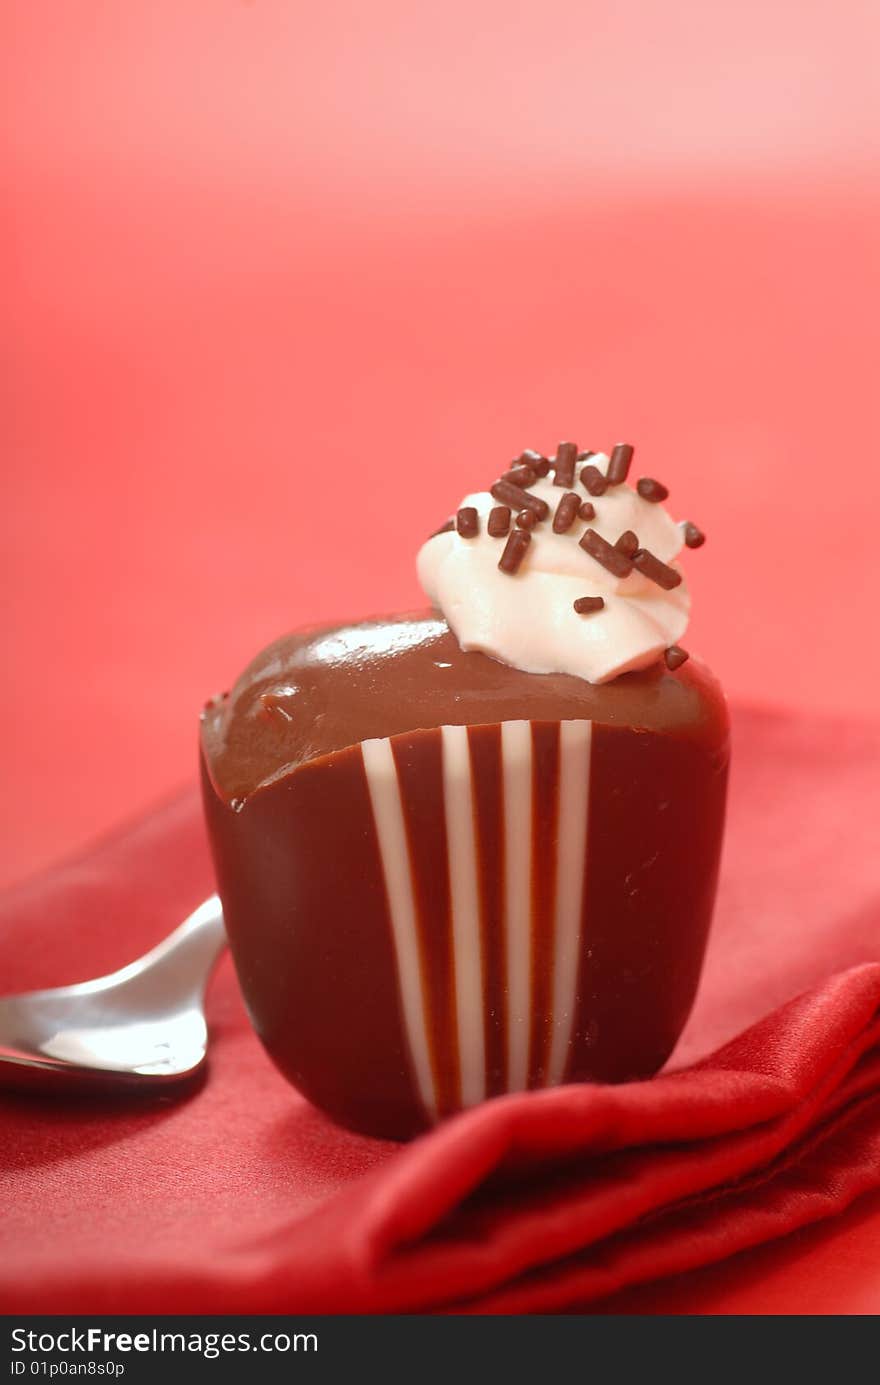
(474, 850)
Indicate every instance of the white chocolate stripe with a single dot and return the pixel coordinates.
(574, 797)
(384, 788)
(565, 856)
(465, 909)
(516, 754)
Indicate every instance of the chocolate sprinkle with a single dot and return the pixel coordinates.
(675, 656)
(618, 466)
(652, 490)
(656, 571)
(566, 456)
(585, 456)
(587, 511)
(595, 482)
(446, 528)
(566, 512)
(586, 605)
(536, 460)
(514, 550)
(606, 554)
(628, 543)
(526, 519)
(520, 475)
(467, 522)
(519, 499)
(499, 521)
(693, 537)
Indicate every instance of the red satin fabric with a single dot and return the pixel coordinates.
(238, 1196)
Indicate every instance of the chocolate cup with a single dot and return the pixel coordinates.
(434, 914)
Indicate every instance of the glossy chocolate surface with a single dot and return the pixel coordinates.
(303, 871)
(315, 692)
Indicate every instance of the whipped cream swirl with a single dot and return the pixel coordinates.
(528, 619)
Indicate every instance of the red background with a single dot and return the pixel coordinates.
(264, 257)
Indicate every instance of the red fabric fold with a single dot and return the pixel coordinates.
(239, 1197)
